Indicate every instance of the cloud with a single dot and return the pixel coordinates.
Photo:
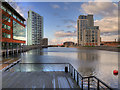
(108, 12)
(62, 33)
(69, 21)
(108, 24)
(71, 26)
(109, 38)
(62, 40)
(55, 6)
(104, 9)
(109, 33)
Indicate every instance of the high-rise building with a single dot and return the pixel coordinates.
(87, 33)
(13, 27)
(34, 28)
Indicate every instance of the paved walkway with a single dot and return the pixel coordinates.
(38, 80)
(6, 62)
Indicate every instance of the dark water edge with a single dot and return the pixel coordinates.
(106, 48)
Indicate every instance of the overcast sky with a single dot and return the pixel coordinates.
(60, 18)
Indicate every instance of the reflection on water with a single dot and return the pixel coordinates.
(88, 62)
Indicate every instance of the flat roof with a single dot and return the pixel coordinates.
(12, 10)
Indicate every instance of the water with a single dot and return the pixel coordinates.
(88, 62)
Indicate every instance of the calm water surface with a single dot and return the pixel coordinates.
(88, 62)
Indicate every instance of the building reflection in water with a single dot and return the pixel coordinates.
(88, 62)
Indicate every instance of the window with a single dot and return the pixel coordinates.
(82, 17)
(18, 31)
(9, 20)
(21, 21)
(5, 26)
(18, 19)
(14, 16)
(5, 35)
(5, 18)
(97, 27)
(8, 27)
(9, 12)
(3, 8)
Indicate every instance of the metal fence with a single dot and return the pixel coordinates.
(90, 82)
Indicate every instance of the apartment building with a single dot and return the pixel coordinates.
(34, 28)
(87, 33)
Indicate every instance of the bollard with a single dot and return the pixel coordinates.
(66, 69)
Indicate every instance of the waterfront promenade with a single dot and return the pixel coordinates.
(6, 52)
(8, 62)
(38, 80)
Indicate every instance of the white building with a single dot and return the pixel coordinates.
(34, 28)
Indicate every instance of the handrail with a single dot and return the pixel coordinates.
(39, 63)
(103, 83)
(88, 77)
(74, 71)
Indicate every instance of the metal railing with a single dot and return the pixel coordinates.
(90, 82)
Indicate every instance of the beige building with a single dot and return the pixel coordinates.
(87, 33)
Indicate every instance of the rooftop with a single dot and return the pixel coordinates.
(13, 10)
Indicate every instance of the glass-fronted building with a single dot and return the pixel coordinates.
(34, 28)
(13, 27)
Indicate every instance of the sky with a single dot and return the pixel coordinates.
(60, 18)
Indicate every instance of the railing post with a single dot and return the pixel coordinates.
(98, 85)
(71, 71)
(69, 68)
(74, 74)
(82, 84)
(88, 83)
(77, 79)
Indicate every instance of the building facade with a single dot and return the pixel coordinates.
(87, 33)
(34, 28)
(13, 27)
(45, 41)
